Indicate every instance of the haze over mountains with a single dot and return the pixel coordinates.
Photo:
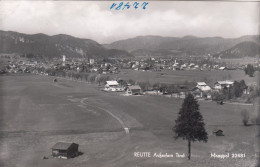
(148, 46)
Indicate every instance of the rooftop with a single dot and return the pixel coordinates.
(201, 84)
(62, 146)
(225, 82)
(112, 83)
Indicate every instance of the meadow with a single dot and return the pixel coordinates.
(180, 77)
(36, 113)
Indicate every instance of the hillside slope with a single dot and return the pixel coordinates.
(54, 46)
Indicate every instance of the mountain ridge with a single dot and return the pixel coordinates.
(54, 46)
(190, 44)
(140, 46)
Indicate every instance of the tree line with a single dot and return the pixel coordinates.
(82, 76)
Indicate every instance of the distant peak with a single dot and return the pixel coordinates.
(189, 37)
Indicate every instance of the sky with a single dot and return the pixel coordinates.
(95, 20)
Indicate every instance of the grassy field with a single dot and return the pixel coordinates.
(179, 77)
(240, 61)
(36, 113)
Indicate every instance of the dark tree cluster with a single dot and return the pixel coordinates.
(249, 70)
(235, 91)
(92, 78)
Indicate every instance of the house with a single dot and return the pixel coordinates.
(223, 84)
(91, 61)
(113, 86)
(203, 86)
(198, 93)
(134, 90)
(183, 67)
(202, 90)
(218, 132)
(182, 90)
(65, 150)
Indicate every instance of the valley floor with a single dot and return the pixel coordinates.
(36, 113)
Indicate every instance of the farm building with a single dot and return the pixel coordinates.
(65, 150)
(134, 90)
(203, 86)
(113, 86)
(198, 93)
(218, 132)
(223, 84)
(222, 68)
(182, 90)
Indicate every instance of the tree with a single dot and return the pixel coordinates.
(189, 124)
(172, 89)
(156, 86)
(92, 78)
(249, 70)
(101, 79)
(218, 96)
(130, 81)
(238, 88)
(144, 85)
(86, 76)
(163, 88)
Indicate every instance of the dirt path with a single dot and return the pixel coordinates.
(82, 101)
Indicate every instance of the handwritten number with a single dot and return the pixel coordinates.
(126, 5)
(144, 5)
(136, 4)
(113, 5)
(119, 6)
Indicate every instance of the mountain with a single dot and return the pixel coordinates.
(141, 46)
(243, 49)
(155, 53)
(54, 46)
(140, 42)
(190, 45)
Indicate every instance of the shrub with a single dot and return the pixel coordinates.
(245, 117)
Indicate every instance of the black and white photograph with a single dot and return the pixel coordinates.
(129, 83)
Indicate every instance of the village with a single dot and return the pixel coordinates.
(107, 72)
(28, 63)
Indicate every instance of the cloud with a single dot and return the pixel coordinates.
(94, 20)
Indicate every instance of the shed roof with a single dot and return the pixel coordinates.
(112, 83)
(62, 146)
(222, 68)
(201, 84)
(225, 82)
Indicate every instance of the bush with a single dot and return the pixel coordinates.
(245, 117)
(217, 96)
(92, 78)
